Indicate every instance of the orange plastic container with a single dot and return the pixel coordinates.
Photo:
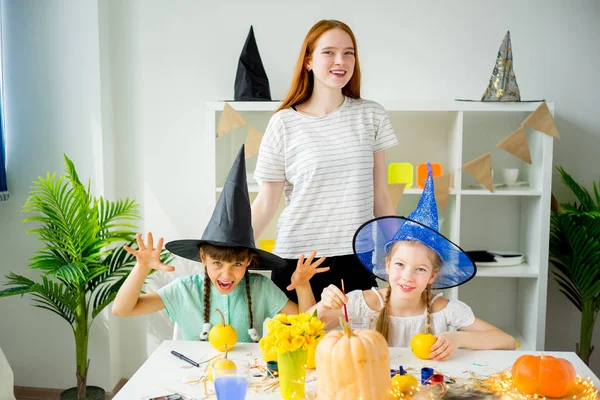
(436, 169)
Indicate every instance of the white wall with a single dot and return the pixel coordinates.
(52, 104)
(141, 72)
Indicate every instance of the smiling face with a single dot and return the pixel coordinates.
(332, 61)
(411, 266)
(225, 268)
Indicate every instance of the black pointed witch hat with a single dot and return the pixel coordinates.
(251, 82)
(231, 222)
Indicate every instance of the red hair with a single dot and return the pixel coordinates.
(303, 80)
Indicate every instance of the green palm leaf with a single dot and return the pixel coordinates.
(579, 191)
(82, 262)
(575, 254)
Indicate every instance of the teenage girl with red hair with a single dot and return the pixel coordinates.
(324, 150)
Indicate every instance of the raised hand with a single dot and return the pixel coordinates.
(333, 298)
(147, 256)
(306, 270)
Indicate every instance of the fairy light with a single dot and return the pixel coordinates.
(502, 384)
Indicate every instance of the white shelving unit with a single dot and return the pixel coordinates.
(511, 218)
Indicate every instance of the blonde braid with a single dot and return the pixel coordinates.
(206, 297)
(428, 313)
(383, 321)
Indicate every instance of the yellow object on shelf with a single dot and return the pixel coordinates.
(267, 245)
(401, 173)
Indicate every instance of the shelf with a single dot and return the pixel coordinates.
(252, 188)
(501, 191)
(517, 271)
(511, 217)
(394, 105)
(419, 191)
(519, 337)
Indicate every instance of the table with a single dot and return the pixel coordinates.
(164, 373)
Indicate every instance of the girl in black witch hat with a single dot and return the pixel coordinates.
(228, 253)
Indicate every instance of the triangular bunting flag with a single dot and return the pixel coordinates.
(541, 120)
(252, 141)
(516, 144)
(481, 169)
(441, 186)
(396, 190)
(229, 121)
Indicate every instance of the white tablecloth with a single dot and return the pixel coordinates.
(163, 373)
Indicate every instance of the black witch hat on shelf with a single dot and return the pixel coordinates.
(251, 82)
(230, 224)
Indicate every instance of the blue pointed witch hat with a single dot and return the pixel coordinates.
(374, 238)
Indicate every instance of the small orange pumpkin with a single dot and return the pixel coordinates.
(544, 375)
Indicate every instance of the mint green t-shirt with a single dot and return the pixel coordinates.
(184, 302)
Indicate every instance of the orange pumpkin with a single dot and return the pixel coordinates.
(543, 375)
(353, 365)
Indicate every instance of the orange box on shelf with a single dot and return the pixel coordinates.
(401, 173)
(436, 169)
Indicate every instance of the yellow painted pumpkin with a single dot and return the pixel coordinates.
(544, 375)
(421, 343)
(222, 335)
(353, 365)
(404, 382)
(222, 364)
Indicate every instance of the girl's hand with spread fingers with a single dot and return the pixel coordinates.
(305, 270)
(147, 256)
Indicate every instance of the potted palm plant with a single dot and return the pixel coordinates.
(82, 262)
(575, 252)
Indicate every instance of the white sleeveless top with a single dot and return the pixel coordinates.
(455, 315)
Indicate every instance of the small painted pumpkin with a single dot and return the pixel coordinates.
(544, 375)
(222, 364)
(421, 343)
(404, 382)
(221, 335)
(353, 365)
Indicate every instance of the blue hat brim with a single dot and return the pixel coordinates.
(374, 237)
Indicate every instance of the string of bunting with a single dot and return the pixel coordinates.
(480, 167)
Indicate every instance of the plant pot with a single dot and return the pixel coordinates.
(92, 393)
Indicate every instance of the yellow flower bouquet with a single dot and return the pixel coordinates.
(292, 341)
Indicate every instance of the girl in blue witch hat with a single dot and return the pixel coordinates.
(414, 258)
(228, 253)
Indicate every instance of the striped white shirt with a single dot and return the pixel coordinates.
(327, 163)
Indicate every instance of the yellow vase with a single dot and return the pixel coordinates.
(310, 357)
(292, 373)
